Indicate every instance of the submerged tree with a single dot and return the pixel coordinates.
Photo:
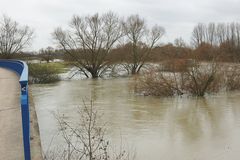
(142, 41)
(89, 41)
(13, 37)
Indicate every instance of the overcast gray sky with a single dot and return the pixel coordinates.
(178, 17)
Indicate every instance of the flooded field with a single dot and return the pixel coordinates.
(157, 128)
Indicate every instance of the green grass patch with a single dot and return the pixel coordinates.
(45, 72)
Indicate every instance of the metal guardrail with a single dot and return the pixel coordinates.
(21, 68)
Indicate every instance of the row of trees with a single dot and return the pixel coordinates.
(92, 41)
(217, 40)
(89, 40)
(216, 34)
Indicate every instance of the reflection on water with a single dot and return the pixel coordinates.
(158, 128)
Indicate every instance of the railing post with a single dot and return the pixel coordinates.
(25, 120)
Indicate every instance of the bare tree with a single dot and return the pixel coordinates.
(199, 34)
(89, 41)
(221, 33)
(141, 39)
(211, 34)
(179, 42)
(46, 54)
(86, 139)
(13, 37)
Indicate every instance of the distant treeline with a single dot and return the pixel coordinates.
(96, 41)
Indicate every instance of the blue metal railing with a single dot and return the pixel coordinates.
(21, 69)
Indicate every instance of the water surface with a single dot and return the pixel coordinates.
(158, 128)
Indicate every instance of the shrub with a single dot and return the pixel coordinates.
(232, 74)
(157, 84)
(197, 80)
(44, 73)
(202, 79)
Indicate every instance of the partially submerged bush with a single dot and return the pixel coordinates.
(197, 80)
(158, 84)
(202, 79)
(232, 80)
(44, 73)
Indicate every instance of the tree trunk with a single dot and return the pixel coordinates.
(133, 71)
(94, 73)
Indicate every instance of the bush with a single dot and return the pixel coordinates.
(197, 80)
(232, 74)
(202, 79)
(157, 84)
(44, 73)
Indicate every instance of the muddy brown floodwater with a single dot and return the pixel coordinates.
(157, 128)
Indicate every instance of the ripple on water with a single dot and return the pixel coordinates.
(159, 128)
